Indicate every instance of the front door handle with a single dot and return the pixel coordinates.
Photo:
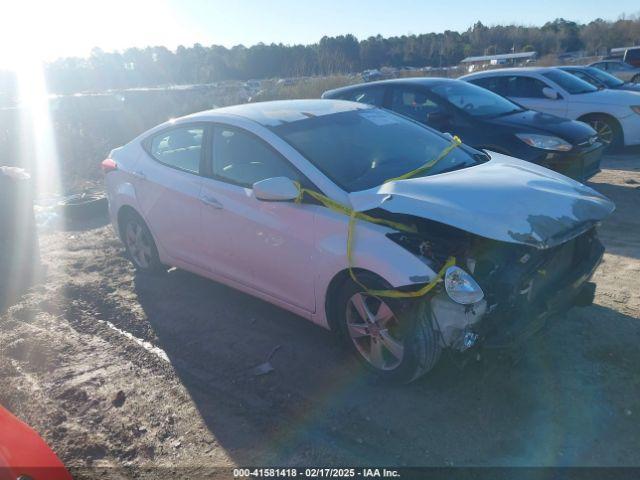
(210, 201)
(140, 174)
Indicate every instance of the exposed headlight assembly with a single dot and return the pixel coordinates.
(545, 142)
(461, 287)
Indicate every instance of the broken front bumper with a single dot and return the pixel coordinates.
(507, 325)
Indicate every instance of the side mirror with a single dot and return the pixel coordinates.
(550, 93)
(275, 189)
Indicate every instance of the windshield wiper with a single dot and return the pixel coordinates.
(504, 114)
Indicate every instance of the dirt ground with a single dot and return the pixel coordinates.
(114, 368)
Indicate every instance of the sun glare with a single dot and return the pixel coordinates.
(21, 52)
(38, 145)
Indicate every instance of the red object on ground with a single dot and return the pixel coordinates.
(24, 453)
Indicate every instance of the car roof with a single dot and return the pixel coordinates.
(274, 113)
(510, 71)
(413, 81)
(614, 61)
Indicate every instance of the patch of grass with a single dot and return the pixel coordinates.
(312, 87)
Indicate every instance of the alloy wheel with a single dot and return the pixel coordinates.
(139, 244)
(374, 330)
(604, 131)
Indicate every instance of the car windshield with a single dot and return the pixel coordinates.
(622, 66)
(606, 78)
(360, 149)
(569, 83)
(474, 100)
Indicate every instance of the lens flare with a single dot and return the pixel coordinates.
(37, 142)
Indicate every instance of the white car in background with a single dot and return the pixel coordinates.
(620, 69)
(216, 193)
(614, 114)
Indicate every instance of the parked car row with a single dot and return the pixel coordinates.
(620, 69)
(452, 247)
(599, 78)
(614, 114)
(519, 127)
(486, 121)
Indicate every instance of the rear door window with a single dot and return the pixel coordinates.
(524, 87)
(179, 147)
(414, 104)
(495, 84)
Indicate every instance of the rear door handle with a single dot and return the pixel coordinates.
(210, 201)
(140, 174)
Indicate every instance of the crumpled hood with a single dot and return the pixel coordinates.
(503, 199)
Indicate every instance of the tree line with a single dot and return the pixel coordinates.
(155, 66)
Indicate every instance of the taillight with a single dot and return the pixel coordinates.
(108, 165)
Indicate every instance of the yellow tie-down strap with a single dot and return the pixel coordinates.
(354, 215)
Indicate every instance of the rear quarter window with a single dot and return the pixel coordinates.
(179, 147)
(370, 96)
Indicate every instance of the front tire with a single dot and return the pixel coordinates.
(394, 338)
(140, 245)
(608, 130)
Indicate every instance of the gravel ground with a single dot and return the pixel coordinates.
(114, 368)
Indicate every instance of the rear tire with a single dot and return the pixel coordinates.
(140, 245)
(397, 342)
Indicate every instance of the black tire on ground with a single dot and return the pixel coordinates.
(603, 124)
(84, 206)
(421, 343)
(139, 243)
(636, 79)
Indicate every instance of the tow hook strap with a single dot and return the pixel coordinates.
(354, 216)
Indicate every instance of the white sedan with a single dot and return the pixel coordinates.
(260, 196)
(620, 69)
(614, 114)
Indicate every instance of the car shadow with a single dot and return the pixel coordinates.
(627, 159)
(617, 230)
(81, 225)
(563, 399)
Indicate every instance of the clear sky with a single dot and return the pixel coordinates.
(56, 28)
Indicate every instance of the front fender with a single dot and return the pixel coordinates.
(372, 250)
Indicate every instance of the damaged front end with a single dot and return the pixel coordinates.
(524, 234)
(526, 286)
(521, 286)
